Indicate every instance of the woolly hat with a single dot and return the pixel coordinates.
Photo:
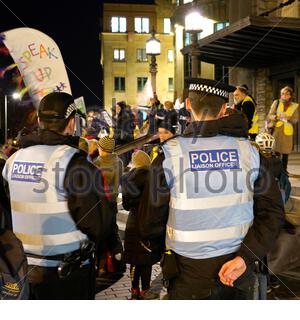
(107, 144)
(140, 159)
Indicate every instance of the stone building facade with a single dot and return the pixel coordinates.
(264, 83)
(123, 59)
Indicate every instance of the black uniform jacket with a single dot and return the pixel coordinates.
(268, 206)
(92, 209)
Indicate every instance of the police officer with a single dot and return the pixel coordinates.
(220, 209)
(245, 103)
(58, 205)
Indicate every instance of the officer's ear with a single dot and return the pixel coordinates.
(70, 128)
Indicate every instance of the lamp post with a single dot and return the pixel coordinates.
(153, 50)
(15, 96)
(193, 23)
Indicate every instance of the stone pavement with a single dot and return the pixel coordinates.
(290, 288)
(120, 290)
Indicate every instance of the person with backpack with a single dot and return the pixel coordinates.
(59, 205)
(266, 142)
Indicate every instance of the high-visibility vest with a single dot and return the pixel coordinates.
(211, 183)
(40, 213)
(255, 127)
(288, 127)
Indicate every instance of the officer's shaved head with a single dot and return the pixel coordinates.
(205, 105)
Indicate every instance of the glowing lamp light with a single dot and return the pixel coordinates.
(194, 22)
(16, 96)
(153, 46)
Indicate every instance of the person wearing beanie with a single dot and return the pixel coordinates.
(140, 253)
(140, 160)
(52, 188)
(112, 168)
(110, 164)
(166, 131)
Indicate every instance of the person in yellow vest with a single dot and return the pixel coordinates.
(283, 115)
(245, 103)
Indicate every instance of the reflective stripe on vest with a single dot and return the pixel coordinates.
(40, 214)
(288, 127)
(255, 127)
(211, 183)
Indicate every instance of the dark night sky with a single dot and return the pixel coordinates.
(74, 26)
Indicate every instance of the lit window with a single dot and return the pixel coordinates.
(187, 1)
(187, 39)
(167, 25)
(119, 84)
(118, 24)
(141, 55)
(171, 84)
(220, 25)
(141, 25)
(141, 82)
(119, 54)
(170, 56)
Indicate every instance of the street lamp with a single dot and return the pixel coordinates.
(193, 25)
(153, 49)
(15, 96)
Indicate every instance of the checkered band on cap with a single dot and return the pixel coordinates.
(72, 107)
(209, 89)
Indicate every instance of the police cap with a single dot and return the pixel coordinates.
(57, 105)
(209, 87)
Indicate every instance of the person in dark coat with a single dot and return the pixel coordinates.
(212, 278)
(184, 118)
(124, 129)
(140, 253)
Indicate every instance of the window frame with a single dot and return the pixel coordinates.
(119, 60)
(170, 61)
(141, 18)
(119, 24)
(119, 84)
(171, 89)
(144, 50)
(170, 26)
(144, 83)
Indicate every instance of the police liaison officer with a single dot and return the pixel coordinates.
(58, 205)
(212, 195)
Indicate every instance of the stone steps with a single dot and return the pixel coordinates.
(292, 207)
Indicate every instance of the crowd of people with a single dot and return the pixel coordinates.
(206, 201)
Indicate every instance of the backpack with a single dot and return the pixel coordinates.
(13, 268)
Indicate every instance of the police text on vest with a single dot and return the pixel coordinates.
(225, 159)
(27, 171)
